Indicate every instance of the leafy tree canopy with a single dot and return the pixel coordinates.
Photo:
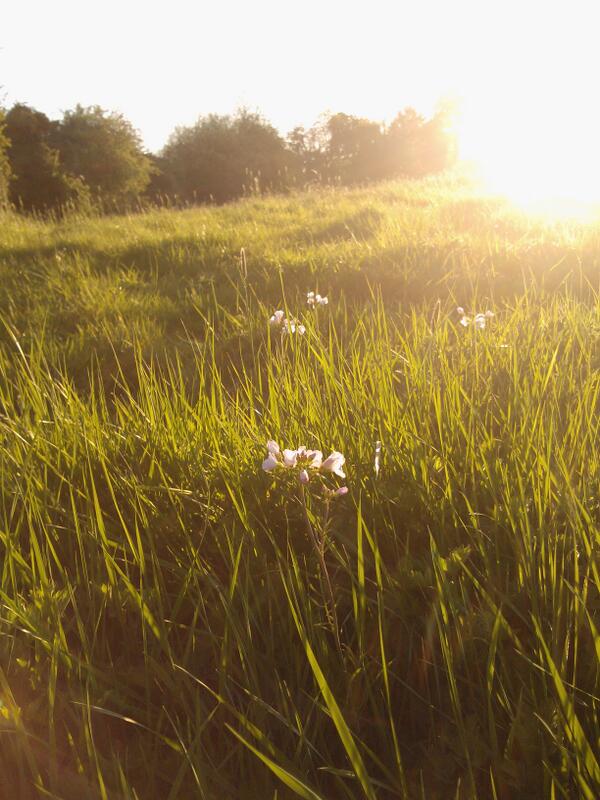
(220, 157)
(105, 150)
(4, 162)
(39, 181)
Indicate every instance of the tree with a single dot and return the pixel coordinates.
(39, 181)
(4, 162)
(417, 146)
(355, 148)
(221, 157)
(105, 151)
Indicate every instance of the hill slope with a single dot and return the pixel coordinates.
(179, 622)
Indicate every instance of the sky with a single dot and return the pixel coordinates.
(164, 64)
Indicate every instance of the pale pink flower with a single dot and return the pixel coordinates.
(334, 463)
(304, 460)
(314, 300)
(277, 318)
(479, 320)
(331, 493)
(290, 457)
(293, 326)
(315, 458)
(272, 460)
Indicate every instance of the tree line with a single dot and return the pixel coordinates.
(92, 158)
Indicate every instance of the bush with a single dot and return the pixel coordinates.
(222, 157)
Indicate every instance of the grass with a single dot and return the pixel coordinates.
(166, 627)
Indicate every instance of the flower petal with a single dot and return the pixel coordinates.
(269, 463)
(303, 476)
(290, 457)
(272, 448)
(315, 457)
(333, 463)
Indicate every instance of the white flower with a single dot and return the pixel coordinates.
(277, 318)
(272, 459)
(334, 463)
(316, 299)
(315, 458)
(302, 459)
(290, 458)
(479, 320)
(293, 326)
(270, 463)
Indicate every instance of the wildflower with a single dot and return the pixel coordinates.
(272, 459)
(315, 300)
(479, 320)
(293, 326)
(277, 318)
(334, 463)
(331, 493)
(289, 459)
(304, 459)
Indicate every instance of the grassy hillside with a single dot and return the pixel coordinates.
(176, 622)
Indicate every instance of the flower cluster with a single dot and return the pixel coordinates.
(479, 320)
(304, 461)
(315, 300)
(287, 325)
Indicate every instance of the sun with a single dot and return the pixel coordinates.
(528, 115)
(543, 159)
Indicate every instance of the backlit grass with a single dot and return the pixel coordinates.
(166, 625)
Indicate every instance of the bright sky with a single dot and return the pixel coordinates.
(526, 70)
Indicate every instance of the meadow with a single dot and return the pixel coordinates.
(178, 622)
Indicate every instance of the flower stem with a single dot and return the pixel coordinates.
(319, 545)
